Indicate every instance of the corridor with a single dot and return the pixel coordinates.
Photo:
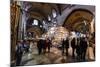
(51, 33)
(54, 57)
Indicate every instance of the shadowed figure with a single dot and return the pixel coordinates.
(48, 44)
(39, 46)
(81, 49)
(67, 46)
(73, 45)
(63, 46)
(83, 45)
(19, 53)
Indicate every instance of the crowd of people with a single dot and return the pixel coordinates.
(78, 45)
(21, 48)
(26, 46)
(43, 44)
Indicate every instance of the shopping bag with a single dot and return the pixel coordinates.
(70, 51)
(91, 54)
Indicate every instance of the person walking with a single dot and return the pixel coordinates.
(48, 42)
(67, 46)
(19, 53)
(39, 46)
(73, 45)
(63, 46)
(84, 46)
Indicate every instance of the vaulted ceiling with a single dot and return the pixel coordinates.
(75, 20)
(41, 11)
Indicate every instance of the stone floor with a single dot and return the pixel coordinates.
(54, 57)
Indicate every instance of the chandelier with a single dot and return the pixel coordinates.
(57, 33)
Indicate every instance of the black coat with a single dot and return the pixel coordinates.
(73, 43)
(83, 45)
(67, 43)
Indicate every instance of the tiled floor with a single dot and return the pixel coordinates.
(54, 57)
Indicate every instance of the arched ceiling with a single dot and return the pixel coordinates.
(44, 9)
(40, 11)
(75, 19)
(36, 30)
(36, 15)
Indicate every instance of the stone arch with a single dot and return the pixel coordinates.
(37, 31)
(75, 18)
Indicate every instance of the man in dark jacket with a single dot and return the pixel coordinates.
(73, 45)
(39, 46)
(67, 46)
(19, 53)
(83, 45)
(63, 46)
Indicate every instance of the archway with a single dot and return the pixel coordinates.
(79, 20)
(37, 31)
